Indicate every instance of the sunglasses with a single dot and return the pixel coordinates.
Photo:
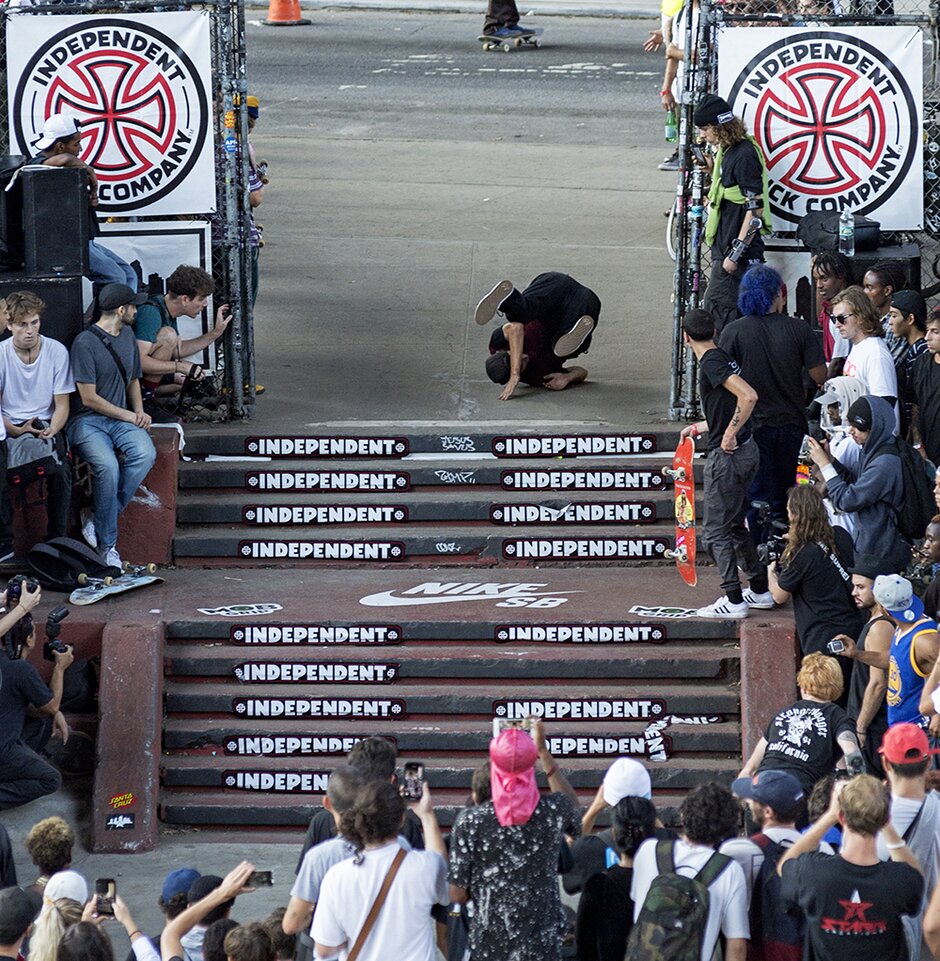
(840, 318)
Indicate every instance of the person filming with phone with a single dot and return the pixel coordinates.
(29, 709)
(377, 904)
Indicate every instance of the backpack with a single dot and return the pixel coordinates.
(31, 458)
(776, 935)
(819, 230)
(58, 563)
(918, 505)
(671, 923)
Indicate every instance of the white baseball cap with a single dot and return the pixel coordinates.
(60, 126)
(626, 778)
(65, 884)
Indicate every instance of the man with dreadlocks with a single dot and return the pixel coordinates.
(738, 211)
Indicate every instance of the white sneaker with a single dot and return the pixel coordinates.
(724, 608)
(568, 343)
(113, 559)
(87, 516)
(487, 307)
(758, 602)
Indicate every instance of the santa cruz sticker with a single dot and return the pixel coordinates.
(578, 445)
(327, 446)
(138, 94)
(317, 634)
(836, 118)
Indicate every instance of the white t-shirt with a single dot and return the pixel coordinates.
(870, 361)
(750, 856)
(903, 812)
(27, 390)
(404, 929)
(727, 897)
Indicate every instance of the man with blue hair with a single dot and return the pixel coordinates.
(773, 351)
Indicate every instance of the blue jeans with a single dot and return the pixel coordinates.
(105, 267)
(97, 439)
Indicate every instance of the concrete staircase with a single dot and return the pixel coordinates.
(391, 624)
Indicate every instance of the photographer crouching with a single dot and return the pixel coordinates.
(814, 570)
(29, 710)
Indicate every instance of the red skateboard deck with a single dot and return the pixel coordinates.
(683, 479)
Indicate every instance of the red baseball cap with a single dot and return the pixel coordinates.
(905, 744)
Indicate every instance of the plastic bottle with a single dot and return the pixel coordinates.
(847, 233)
(671, 132)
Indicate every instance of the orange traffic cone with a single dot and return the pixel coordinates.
(285, 13)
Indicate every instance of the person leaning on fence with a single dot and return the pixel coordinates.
(738, 211)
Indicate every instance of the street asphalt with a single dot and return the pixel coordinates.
(410, 170)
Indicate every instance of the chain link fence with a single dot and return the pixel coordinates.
(704, 36)
(228, 128)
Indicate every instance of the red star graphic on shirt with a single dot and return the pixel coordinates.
(855, 909)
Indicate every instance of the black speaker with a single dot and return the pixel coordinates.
(11, 212)
(63, 317)
(55, 220)
(906, 255)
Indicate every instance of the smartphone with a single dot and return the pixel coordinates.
(835, 646)
(260, 879)
(698, 153)
(501, 724)
(105, 889)
(412, 785)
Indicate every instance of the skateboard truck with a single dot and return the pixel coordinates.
(677, 475)
(680, 554)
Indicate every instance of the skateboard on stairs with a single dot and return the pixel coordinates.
(528, 39)
(683, 479)
(94, 589)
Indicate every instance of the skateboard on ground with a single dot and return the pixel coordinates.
(528, 39)
(95, 589)
(683, 479)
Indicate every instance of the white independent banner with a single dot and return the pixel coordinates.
(839, 115)
(139, 85)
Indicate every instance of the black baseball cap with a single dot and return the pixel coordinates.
(113, 296)
(497, 367)
(18, 910)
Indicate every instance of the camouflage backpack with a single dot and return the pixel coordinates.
(672, 920)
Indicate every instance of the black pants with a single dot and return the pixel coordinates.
(779, 451)
(557, 302)
(721, 298)
(500, 13)
(24, 775)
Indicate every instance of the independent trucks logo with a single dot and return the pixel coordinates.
(836, 121)
(139, 99)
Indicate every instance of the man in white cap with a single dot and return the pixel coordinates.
(592, 853)
(60, 146)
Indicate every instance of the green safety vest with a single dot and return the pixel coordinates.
(719, 192)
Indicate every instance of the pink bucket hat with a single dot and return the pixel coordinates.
(512, 776)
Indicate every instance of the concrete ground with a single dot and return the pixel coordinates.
(409, 172)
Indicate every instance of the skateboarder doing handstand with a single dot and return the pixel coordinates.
(732, 462)
(549, 322)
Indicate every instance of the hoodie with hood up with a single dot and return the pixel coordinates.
(873, 490)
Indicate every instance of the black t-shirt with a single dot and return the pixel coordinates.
(853, 912)
(822, 593)
(802, 740)
(773, 352)
(590, 853)
(925, 391)
(718, 402)
(21, 687)
(605, 916)
(740, 167)
(932, 598)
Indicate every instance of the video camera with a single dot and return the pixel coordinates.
(54, 621)
(773, 542)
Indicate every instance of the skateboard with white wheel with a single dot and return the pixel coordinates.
(683, 479)
(96, 589)
(528, 39)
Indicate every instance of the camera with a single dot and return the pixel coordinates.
(855, 763)
(771, 550)
(835, 646)
(54, 621)
(15, 588)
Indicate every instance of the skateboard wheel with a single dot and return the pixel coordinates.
(519, 42)
(535, 43)
(151, 568)
(82, 578)
(507, 48)
(107, 581)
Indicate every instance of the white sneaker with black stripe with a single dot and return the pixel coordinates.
(758, 602)
(723, 608)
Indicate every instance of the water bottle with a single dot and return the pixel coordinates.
(847, 234)
(671, 132)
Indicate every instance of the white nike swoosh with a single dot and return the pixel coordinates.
(390, 599)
